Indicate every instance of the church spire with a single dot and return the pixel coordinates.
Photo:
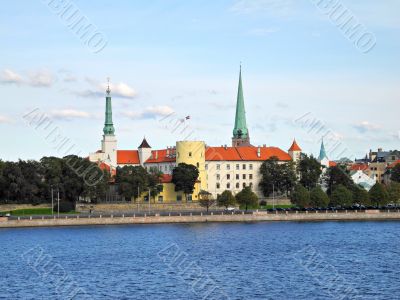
(108, 123)
(322, 152)
(240, 132)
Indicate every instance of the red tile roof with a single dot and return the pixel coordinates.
(394, 164)
(245, 153)
(332, 164)
(294, 147)
(357, 167)
(104, 167)
(159, 156)
(166, 178)
(127, 157)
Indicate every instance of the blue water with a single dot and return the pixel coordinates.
(327, 260)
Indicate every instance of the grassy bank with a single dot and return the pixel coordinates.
(32, 212)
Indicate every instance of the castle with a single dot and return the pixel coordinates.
(220, 168)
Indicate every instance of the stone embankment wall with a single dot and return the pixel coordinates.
(9, 207)
(227, 217)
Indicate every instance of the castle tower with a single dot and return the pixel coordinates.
(193, 153)
(240, 132)
(144, 151)
(109, 142)
(294, 151)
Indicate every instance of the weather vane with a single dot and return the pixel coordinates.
(108, 86)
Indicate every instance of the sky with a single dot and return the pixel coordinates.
(304, 77)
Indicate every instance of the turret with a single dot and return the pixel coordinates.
(144, 151)
(294, 151)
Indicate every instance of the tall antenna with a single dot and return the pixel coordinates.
(108, 86)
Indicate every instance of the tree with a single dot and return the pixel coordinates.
(318, 198)
(132, 181)
(277, 177)
(247, 197)
(226, 199)
(288, 179)
(394, 192)
(301, 196)
(395, 174)
(205, 199)
(360, 196)
(310, 171)
(378, 195)
(184, 178)
(154, 182)
(336, 176)
(341, 196)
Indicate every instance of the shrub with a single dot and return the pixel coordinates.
(64, 207)
(341, 196)
(301, 196)
(378, 194)
(318, 198)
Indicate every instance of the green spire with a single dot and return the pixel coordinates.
(108, 124)
(322, 152)
(240, 130)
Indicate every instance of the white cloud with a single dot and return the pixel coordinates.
(4, 119)
(69, 114)
(41, 78)
(9, 76)
(365, 126)
(150, 112)
(120, 89)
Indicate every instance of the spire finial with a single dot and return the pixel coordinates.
(108, 86)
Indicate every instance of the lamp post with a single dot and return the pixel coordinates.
(52, 202)
(273, 195)
(58, 203)
(149, 199)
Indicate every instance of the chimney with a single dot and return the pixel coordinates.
(265, 145)
(380, 149)
(156, 154)
(167, 151)
(259, 151)
(225, 146)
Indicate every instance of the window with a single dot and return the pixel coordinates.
(251, 184)
(244, 184)
(237, 185)
(190, 154)
(146, 199)
(218, 167)
(228, 166)
(250, 176)
(228, 176)
(244, 166)
(160, 198)
(189, 198)
(218, 185)
(244, 176)
(251, 166)
(198, 165)
(179, 198)
(228, 185)
(206, 166)
(237, 166)
(218, 177)
(237, 176)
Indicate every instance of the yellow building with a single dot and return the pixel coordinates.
(188, 152)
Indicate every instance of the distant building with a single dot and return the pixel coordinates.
(221, 168)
